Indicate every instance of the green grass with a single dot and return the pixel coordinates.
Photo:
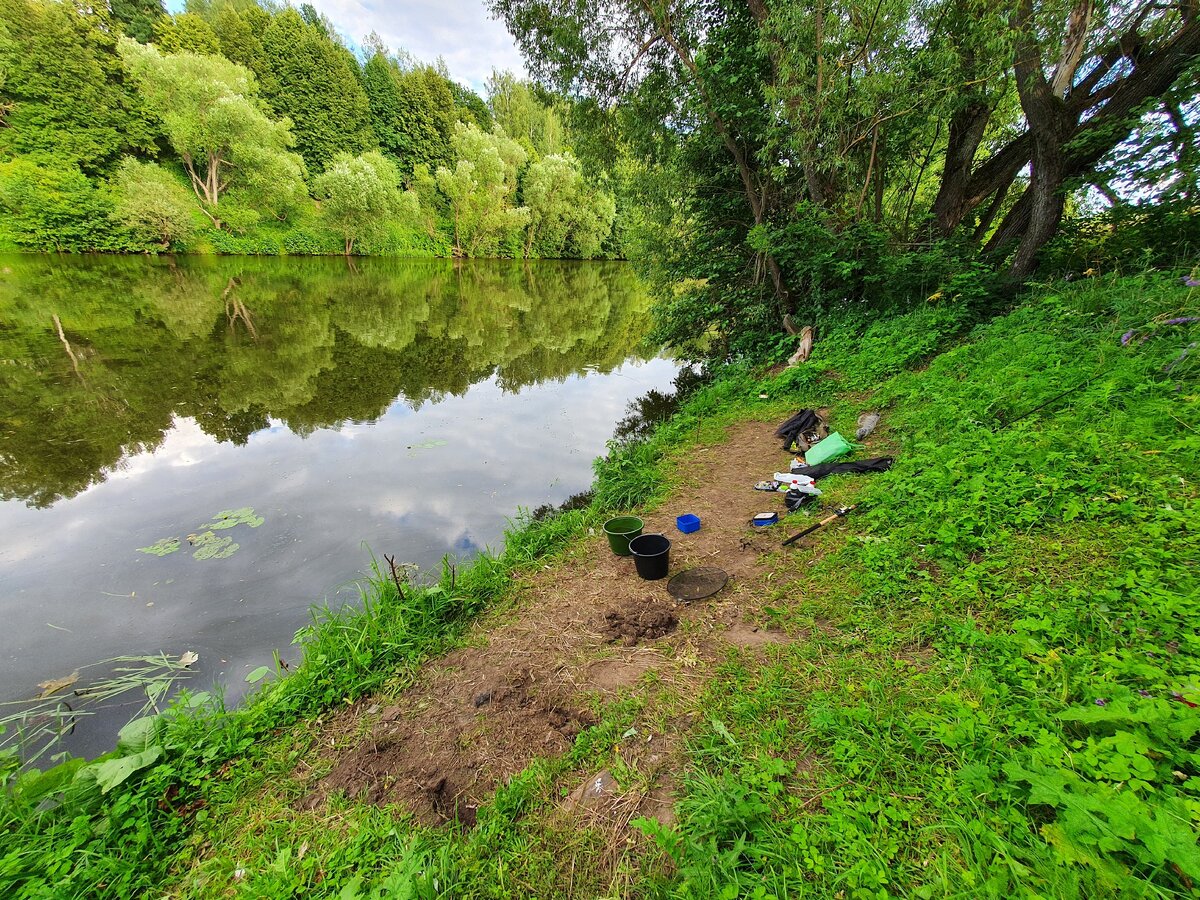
(989, 700)
(993, 706)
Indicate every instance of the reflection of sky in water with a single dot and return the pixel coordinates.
(75, 590)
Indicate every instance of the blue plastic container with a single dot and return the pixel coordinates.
(687, 523)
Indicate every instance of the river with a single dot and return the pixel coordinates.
(330, 409)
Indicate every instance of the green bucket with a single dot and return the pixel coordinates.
(620, 531)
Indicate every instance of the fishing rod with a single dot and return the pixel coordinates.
(837, 514)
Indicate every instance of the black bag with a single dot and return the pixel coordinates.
(795, 499)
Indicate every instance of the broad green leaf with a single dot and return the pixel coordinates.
(258, 674)
(139, 734)
(209, 546)
(113, 772)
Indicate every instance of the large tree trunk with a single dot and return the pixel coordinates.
(967, 126)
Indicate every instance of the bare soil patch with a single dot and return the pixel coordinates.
(525, 686)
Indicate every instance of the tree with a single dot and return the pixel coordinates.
(314, 82)
(213, 121)
(138, 17)
(564, 213)
(186, 31)
(610, 49)
(155, 207)
(854, 129)
(480, 188)
(67, 94)
(359, 195)
(239, 33)
(470, 106)
(435, 116)
(524, 117)
(401, 115)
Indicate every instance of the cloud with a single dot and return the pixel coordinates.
(462, 32)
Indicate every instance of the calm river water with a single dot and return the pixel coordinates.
(389, 406)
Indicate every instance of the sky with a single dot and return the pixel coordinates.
(460, 31)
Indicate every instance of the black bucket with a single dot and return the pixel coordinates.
(651, 555)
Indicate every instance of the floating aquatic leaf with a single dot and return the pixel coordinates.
(161, 547)
(258, 674)
(427, 445)
(54, 685)
(189, 658)
(229, 518)
(209, 546)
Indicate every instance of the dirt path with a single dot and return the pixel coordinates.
(525, 685)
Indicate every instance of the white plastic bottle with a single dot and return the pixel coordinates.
(797, 482)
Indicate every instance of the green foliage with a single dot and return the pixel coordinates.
(213, 121)
(210, 545)
(1045, 559)
(566, 216)
(313, 82)
(525, 117)
(361, 195)
(186, 32)
(153, 205)
(55, 207)
(138, 17)
(244, 95)
(71, 103)
(1126, 239)
(162, 547)
(231, 518)
(479, 190)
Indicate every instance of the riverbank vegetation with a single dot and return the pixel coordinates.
(989, 686)
(982, 684)
(239, 128)
(791, 159)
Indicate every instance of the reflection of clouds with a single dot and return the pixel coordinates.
(185, 444)
(323, 496)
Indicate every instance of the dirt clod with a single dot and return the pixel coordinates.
(648, 621)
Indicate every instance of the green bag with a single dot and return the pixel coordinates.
(828, 449)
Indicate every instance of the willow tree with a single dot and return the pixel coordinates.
(210, 114)
(665, 55)
(567, 216)
(360, 196)
(987, 115)
(912, 120)
(479, 190)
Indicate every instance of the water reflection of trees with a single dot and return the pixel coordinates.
(100, 355)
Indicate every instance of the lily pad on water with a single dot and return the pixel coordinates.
(210, 546)
(229, 518)
(161, 547)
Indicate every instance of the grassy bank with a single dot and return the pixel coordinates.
(990, 692)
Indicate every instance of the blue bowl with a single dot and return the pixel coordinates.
(687, 523)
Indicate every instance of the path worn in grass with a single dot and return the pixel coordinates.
(577, 642)
(527, 682)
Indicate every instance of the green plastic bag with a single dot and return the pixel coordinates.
(828, 449)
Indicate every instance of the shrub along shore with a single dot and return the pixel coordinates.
(1039, 549)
